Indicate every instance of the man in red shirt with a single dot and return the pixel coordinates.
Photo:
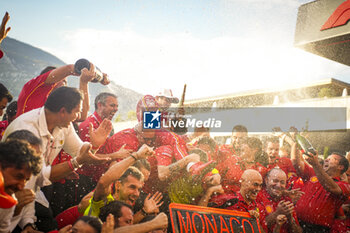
(324, 191)
(239, 133)
(232, 168)
(35, 92)
(106, 105)
(245, 200)
(275, 203)
(274, 160)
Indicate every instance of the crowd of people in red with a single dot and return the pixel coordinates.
(62, 170)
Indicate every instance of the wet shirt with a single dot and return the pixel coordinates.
(318, 206)
(270, 206)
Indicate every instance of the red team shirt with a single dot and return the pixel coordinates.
(34, 94)
(271, 206)
(91, 170)
(162, 138)
(317, 206)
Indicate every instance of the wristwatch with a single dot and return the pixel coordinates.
(32, 225)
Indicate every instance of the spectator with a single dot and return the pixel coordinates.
(324, 191)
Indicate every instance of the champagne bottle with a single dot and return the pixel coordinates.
(305, 145)
(83, 63)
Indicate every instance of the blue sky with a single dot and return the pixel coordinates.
(216, 47)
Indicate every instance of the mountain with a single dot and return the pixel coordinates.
(22, 62)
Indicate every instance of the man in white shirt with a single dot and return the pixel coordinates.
(53, 125)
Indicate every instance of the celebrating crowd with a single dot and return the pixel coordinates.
(62, 170)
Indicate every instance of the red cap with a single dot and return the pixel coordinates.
(146, 103)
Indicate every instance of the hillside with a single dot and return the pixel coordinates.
(22, 62)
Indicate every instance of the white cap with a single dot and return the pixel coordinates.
(167, 93)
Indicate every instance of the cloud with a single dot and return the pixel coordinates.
(209, 66)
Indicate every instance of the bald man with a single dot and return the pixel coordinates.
(276, 203)
(245, 200)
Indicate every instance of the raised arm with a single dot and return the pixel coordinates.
(296, 159)
(325, 180)
(159, 222)
(3, 30)
(60, 73)
(117, 170)
(165, 172)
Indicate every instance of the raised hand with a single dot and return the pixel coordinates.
(122, 153)
(151, 204)
(87, 157)
(3, 30)
(99, 135)
(293, 194)
(108, 226)
(144, 152)
(105, 80)
(88, 75)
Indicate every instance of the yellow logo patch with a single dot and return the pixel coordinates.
(268, 209)
(314, 179)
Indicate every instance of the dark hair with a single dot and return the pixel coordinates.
(142, 163)
(240, 128)
(208, 141)
(47, 69)
(253, 142)
(4, 93)
(342, 161)
(272, 139)
(131, 171)
(63, 97)
(202, 154)
(101, 98)
(25, 135)
(92, 221)
(114, 208)
(11, 109)
(16, 153)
